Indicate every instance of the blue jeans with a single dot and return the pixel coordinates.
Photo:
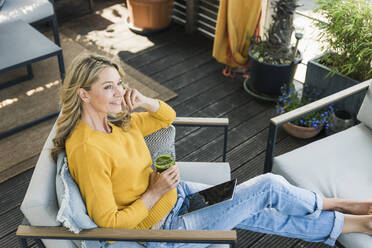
(266, 204)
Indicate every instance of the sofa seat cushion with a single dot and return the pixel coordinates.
(27, 10)
(336, 166)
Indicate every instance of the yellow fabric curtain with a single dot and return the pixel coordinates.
(236, 19)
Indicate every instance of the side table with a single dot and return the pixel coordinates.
(21, 45)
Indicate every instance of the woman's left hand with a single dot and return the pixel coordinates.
(133, 99)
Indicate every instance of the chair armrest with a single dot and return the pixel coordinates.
(109, 234)
(321, 103)
(205, 122)
(297, 113)
(200, 121)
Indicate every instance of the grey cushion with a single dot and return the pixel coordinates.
(365, 112)
(40, 202)
(162, 142)
(336, 166)
(27, 10)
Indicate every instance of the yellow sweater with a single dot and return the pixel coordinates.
(113, 171)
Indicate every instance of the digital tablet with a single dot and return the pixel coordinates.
(210, 196)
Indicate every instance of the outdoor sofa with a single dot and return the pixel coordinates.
(339, 165)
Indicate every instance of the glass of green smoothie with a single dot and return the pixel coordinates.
(163, 162)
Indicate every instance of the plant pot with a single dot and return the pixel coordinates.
(339, 121)
(316, 76)
(268, 78)
(301, 132)
(149, 15)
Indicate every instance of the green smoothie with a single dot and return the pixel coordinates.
(163, 162)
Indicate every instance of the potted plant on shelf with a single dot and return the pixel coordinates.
(149, 15)
(274, 61)
(346, 32)
(309, 125)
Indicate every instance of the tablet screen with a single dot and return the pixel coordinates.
(211, 196)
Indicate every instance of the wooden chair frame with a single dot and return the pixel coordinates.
(37, 233)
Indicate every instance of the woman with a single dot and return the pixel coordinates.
(109, 160)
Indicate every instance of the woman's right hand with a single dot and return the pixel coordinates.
(160, 183)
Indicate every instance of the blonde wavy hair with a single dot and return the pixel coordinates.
(82, 72)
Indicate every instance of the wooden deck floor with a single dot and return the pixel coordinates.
(184, 64)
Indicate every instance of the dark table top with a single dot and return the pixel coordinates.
(21, 44)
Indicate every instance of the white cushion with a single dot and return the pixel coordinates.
(337, 166)
(27, 10)
(211, 173)
(40, 203)
(365, 112)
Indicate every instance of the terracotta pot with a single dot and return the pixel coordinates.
(150, 14)
(301, 132)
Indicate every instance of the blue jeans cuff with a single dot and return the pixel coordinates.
(318, 206)
(336, 230)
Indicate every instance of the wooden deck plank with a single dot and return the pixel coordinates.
(211, 139)
(158, 53)
(248, 238)
(186, 66)
(13, 190)
(273, 241)
(254, 166)
(11, 241)
(239, 136)
(161, 42)
(209, 68)
(221, 108)
(176, 58)
(194, 89)
(301, 244)
(194, 104)
(10, 220)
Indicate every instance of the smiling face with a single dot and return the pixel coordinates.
(106, 93)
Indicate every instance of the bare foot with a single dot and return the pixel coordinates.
(353, 207)
(357, 224)
(369, 227)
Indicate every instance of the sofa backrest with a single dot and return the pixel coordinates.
(365, 111)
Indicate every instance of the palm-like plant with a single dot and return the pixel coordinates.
(281, 31)
(277, 48)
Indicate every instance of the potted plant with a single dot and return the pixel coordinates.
(346, 32)
(309, 125)
(274, 61)
(149, 15)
